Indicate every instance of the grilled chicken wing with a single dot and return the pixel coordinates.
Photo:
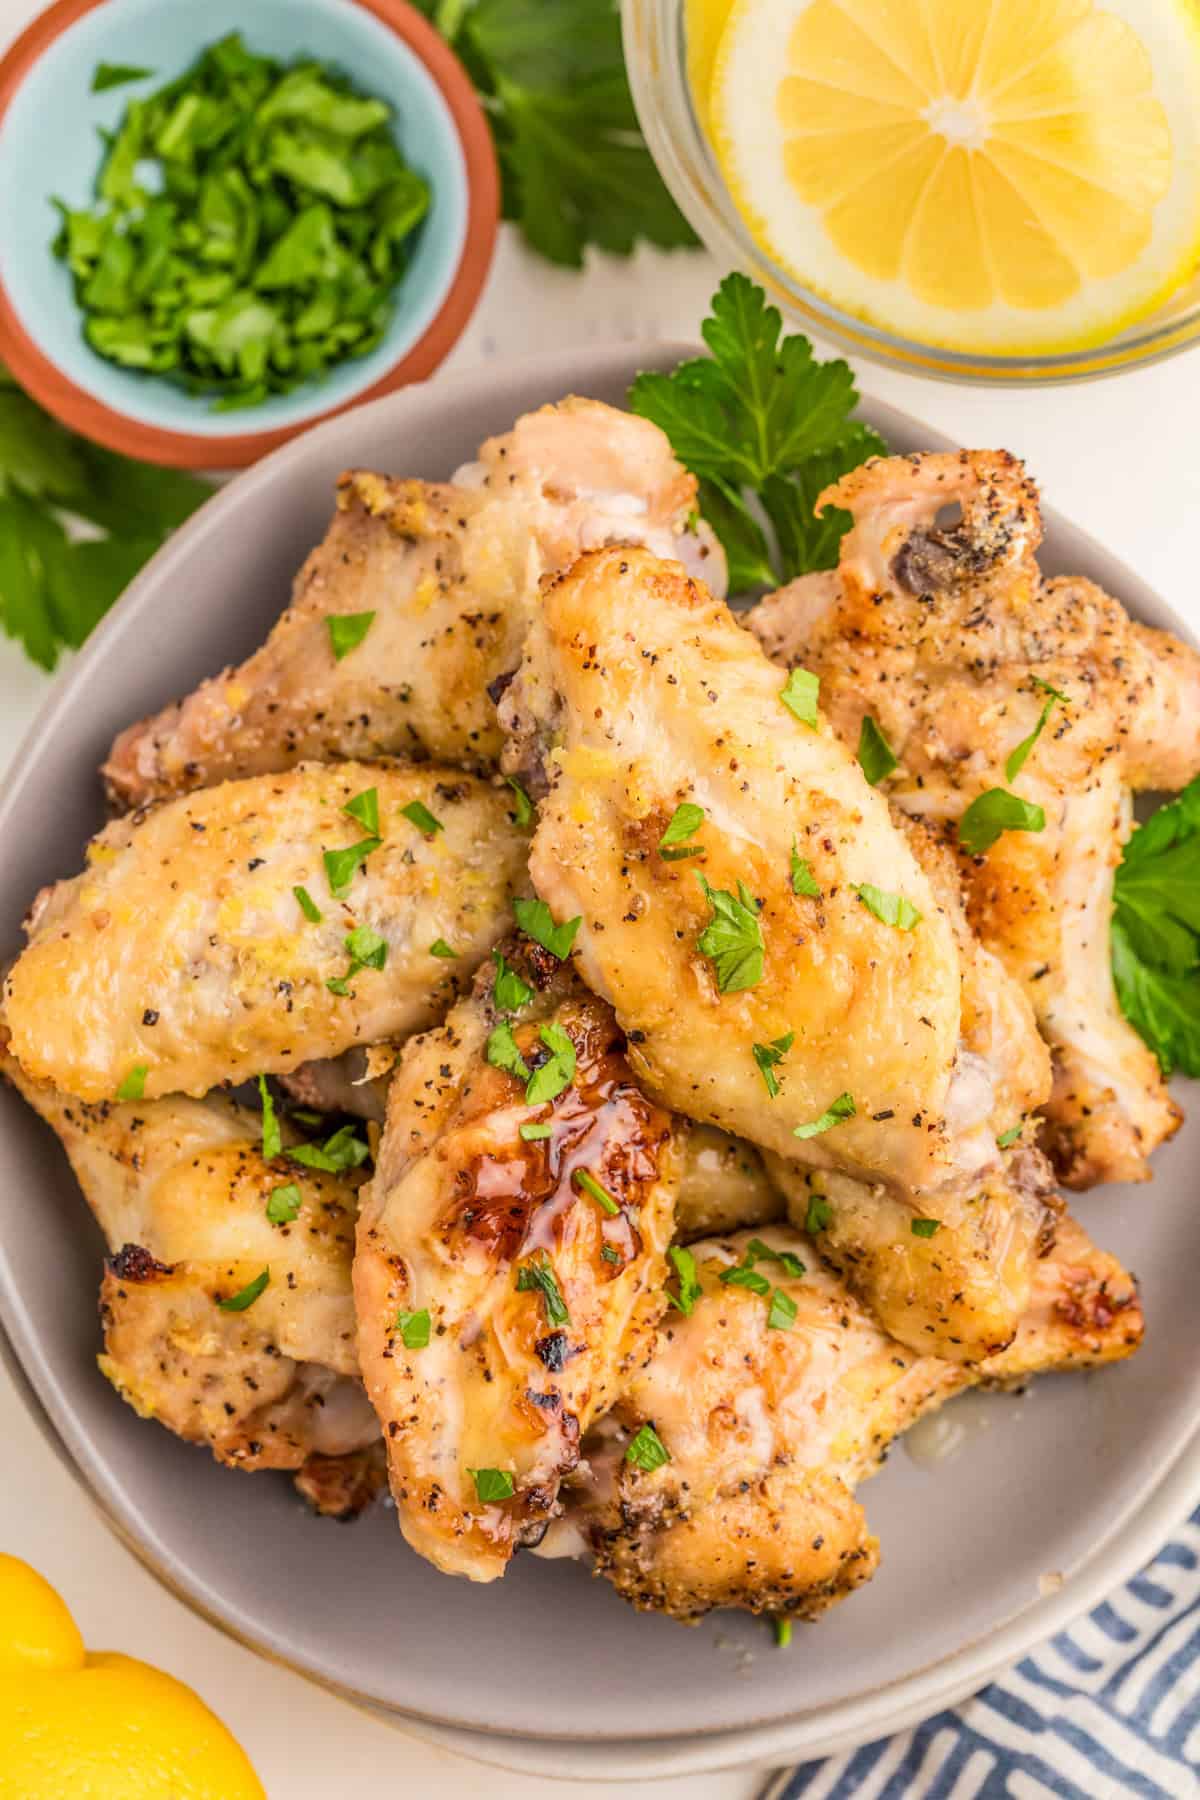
(532, 1266)
(949, 638)
(639, 693)
(768, 1422)
(448, 576)
(180, 1190)
(184, 952)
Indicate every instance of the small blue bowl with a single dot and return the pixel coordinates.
(50, 148)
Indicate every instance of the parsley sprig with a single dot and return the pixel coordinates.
(765, 427)
(1156, 932)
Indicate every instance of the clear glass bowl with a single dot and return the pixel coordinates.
(655, 51)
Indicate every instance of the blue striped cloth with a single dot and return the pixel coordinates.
(1107, 1709)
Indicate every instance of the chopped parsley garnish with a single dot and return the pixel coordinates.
(272, 1137)
(1008, 1138)
(307, 905)
(509, 993)
(548, 1081)
(1020, 756)
(767, 1055)
(608, 1254)
(842, 1108)
(783, 1633)
(889, 909)
(533, 1134)
(538, 1276)
(522, 804)
(875, 755)
(646, 1450)
(365, 808)
(537, 922)
(781, 1314)
(1156, 932)
(133, 1087)
(819, 1214)
(366, 950)
(111, 75)
(440, 947)
(344, 1150)
(594, 1191)
(684, 823)
(926, 1228)
(246, 1296)
(414, 1328)
(690, 1290)
(993, 813)
(757, 1251)
(803, 880)
(284, 1204)
(732, 940)
(492, 1485)
(766, 427)
(342, 865)
(418, 814)
(744, 1275)
(799, 694)
(347, 631)
(502, 1052)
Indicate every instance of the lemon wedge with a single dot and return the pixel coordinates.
(999, 176)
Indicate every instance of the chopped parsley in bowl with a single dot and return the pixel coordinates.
(251, 226)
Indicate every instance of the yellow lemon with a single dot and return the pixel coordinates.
(1003, 176)
(99, 1725)
(704, 22)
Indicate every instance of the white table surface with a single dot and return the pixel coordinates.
(1118, 457)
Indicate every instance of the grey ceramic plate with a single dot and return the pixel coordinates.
(1056, 1483)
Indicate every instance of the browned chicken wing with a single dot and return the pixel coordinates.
(948, 637)
(444, 579)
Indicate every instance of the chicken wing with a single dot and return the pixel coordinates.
(768, 1419)
(947, 636)
(445, 578)
(510, 1263)
(184, 955)
(180, 1190)
(805, 943)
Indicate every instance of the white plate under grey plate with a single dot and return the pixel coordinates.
(1082, 1476)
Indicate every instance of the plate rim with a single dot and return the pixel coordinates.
(914, 1695)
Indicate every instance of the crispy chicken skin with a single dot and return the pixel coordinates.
(769, 1431)
(179, 1188)
(463, 1219)
(182, 948)
(941, 633)
(450, 572)
(638, 692)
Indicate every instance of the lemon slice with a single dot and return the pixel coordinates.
(1004, 176)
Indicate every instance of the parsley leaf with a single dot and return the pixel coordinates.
(799, 694)
(246, 1296)
(1156, 932)
(537, 1276)
(284, 1204)
(732, 940)
(993, 813)
(492, 1485)
(575, 167)
(592, 1188)
(347, 631)
(889, 909)
(522, 805)
(414, 1328)
(875, 755)
(341, 866)
(765, 427)
(111, 75)
(646, 1450)
(533, 1134)
(133, 1087)
(803, 880)
(819, 1215)
(502, 1052)
(690, 1290)
(926, 1228)
(1008, 1138)
(510, 993)
(743, 1274)
(1020, 756)
(307, 905)
(684, 822)
(537, 922)
(767, 1055)
(418, 814)
(440, 947)
(757, 1251)
(272, 1138)
(344, 1150)
(781, 1315)
(558, 1072)
(365, 809)
(841, 1108)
